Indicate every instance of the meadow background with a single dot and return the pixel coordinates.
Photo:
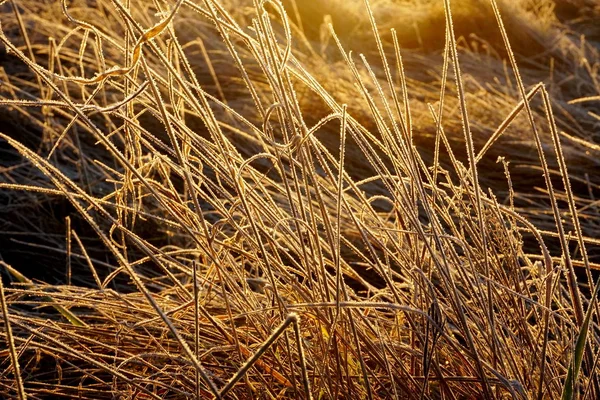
(299, 199)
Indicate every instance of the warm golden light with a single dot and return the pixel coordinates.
(299, 199)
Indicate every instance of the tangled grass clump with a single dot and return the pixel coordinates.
(287, 199)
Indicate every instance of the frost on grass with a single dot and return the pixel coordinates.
(299, 199)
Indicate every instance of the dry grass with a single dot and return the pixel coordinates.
(298, 199)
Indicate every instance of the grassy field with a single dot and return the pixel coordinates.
(328, 199)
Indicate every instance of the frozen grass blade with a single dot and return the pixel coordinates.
(72, 318)
(14, 358)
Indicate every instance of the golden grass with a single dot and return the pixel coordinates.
(298, 199)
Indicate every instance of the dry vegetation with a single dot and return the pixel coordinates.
(302, 199)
